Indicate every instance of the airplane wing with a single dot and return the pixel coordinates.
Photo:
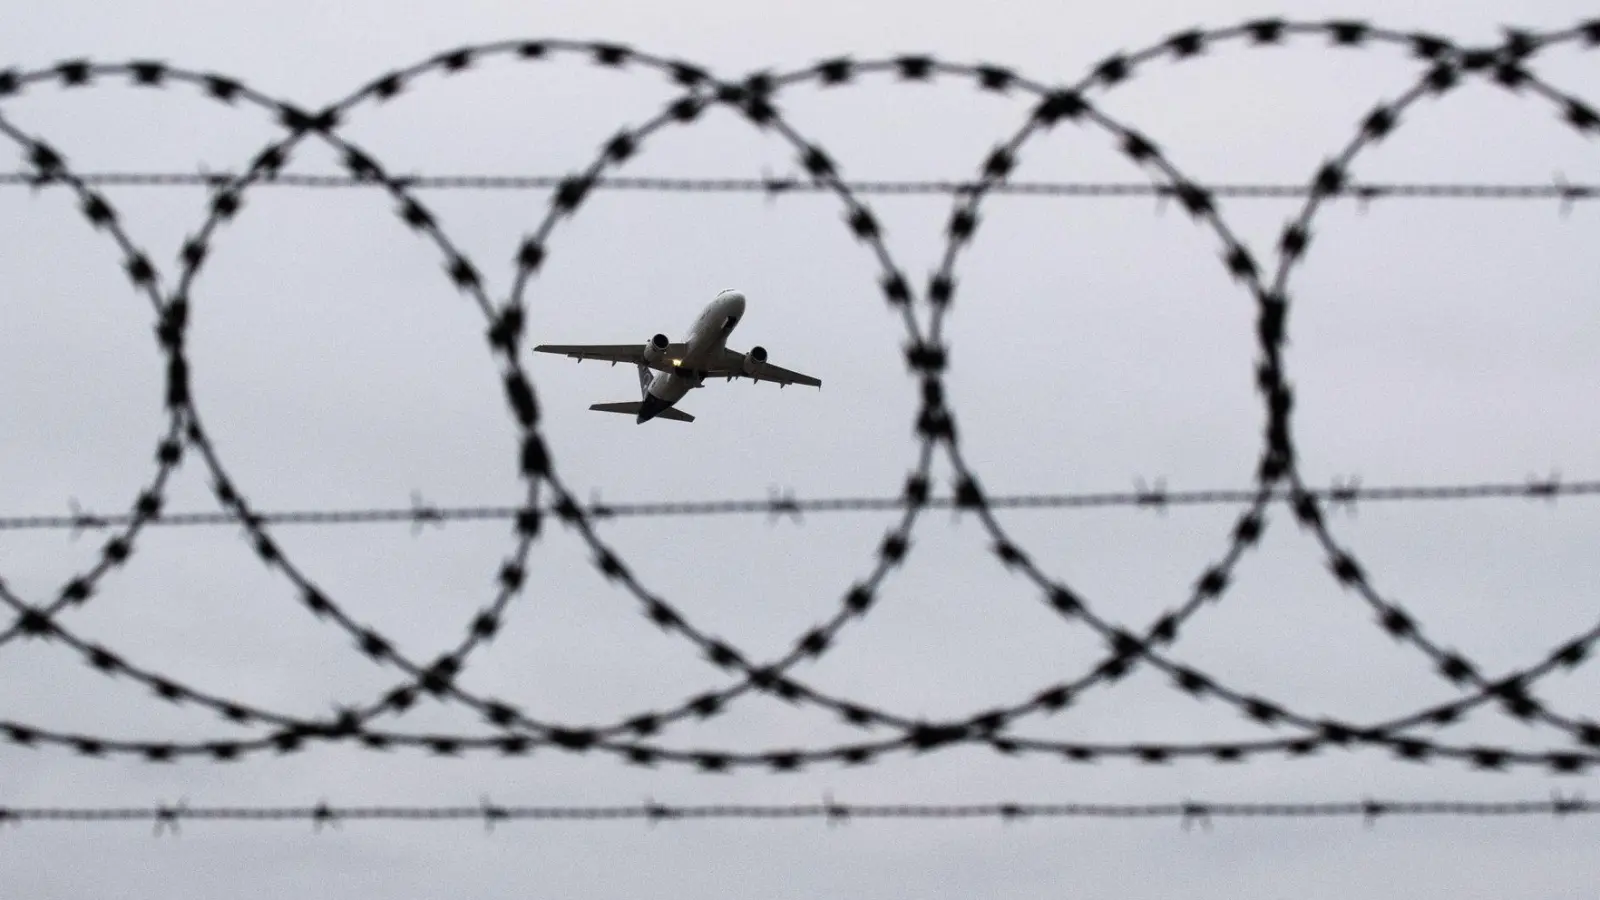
(732, 366)
(614, 353)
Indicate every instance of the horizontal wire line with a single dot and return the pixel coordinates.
(1468, 191)
(488, 813)
(423, 513)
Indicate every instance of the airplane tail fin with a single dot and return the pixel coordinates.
(632, 408)
(644, 380)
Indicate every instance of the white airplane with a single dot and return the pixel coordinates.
(682, 366)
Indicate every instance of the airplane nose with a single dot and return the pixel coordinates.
(735, 300)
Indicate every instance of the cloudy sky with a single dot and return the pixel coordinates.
(1094, 343)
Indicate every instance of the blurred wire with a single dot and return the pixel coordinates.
(1557, 189)
(421, 513)
(1189, 812)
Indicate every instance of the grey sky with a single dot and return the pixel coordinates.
(1093, 342)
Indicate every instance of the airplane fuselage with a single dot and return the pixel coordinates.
(704, 342)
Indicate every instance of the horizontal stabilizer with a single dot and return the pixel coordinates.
(632, 408)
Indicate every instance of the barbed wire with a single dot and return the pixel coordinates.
(1343, 494)
(1558, 189)
(1444, 68)
(169, 818)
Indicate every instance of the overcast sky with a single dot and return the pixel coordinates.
(1094, 342)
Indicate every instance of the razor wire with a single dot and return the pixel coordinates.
(1445, 67)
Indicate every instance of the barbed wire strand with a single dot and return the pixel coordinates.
(1557, 189)
(1347, 494)
(1189, 812)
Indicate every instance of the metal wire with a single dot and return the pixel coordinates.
(1346, 495)
(1555, 190)
(1189, 812)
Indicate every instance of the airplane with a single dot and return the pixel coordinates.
(679, 367)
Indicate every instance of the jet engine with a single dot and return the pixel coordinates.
(655, 349)
(754, 361)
